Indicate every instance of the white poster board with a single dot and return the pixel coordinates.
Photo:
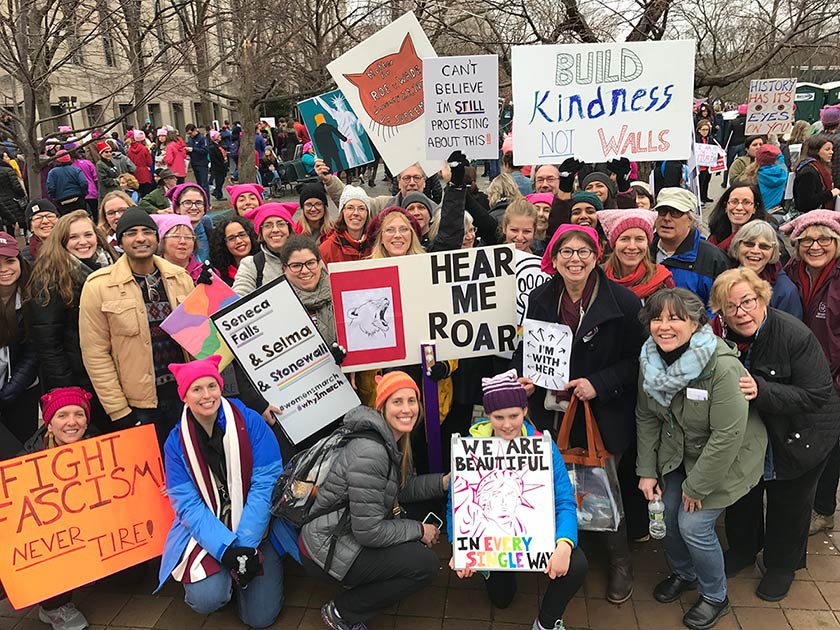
(546, 352)
(599, 102)
(461, 96)
(502, 503)
(286, 358)
(382, 78)
(770, 106)
(463, 301)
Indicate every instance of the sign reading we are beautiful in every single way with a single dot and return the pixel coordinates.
(286, 358)
(502, 503)
(462, 301)
(770, 106)
(461, 96)
(73, 514)
(599, 102)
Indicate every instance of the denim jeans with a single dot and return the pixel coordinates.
(691, 544)
(259, 603)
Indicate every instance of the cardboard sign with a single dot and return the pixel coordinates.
(502, 503)
(286, 358)
(190, 324)
(73, 514)
(545, 356)
(599, 102)
(462, 301)
(382, 79)
(770, 106)
(338, 136)
(707, 154)
(461, 96)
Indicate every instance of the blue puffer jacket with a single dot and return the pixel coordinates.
(193, 517)
(565, 506)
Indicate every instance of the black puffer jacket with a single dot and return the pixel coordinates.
(366, 474)
(796, 395)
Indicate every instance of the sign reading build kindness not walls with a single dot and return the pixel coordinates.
(599, 102)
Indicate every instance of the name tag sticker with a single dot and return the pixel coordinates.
(696, 394)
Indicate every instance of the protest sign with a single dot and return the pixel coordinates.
(770, 106)
(502, 503)
(545, 355)
(707, 154)
(382, 78)
(286, 358)
(462, 301)
(190, 324)
(599, 102)
(461, 96)
(72, 514)
(338, 136)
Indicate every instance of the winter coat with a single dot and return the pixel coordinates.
(154, 201)
(193, 518)
(246, 276)
(720, 441)
(22, 370)
(176, 158)
(365, 475)
(809, 191)
(106, 176)
(565, 506)
(66, 181)
(823, 314)
(695, 264)
(605, 350)
(10, 190)
(115, 338)
(796, 398)
(140, 155)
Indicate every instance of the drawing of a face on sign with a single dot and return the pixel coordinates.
(391, 87)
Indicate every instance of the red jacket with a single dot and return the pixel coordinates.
(139, 153)
(341, 248)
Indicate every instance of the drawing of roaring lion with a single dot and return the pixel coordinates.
(369, 317)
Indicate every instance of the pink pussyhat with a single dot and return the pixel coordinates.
(188, 373)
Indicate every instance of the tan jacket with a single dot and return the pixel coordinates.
(115, 338)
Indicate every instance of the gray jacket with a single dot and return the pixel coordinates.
(366, 475)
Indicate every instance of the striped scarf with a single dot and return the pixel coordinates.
(196, 563)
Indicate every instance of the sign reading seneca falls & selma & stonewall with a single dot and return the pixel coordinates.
(286, 359)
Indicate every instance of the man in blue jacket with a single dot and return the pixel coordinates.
(199, 156)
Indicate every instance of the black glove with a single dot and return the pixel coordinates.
(568, 169)
(439, 371)
(621, 168)
(458, 163)
(338, 352)
(204, 277)
(244, 563)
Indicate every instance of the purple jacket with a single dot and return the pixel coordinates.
(89, 169)
(822, 315)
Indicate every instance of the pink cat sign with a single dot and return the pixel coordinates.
(382, 79)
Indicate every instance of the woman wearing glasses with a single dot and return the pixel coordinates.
(177, 242)
(788, 381)
(815, 271)
(813, 186)
(113, 206)
(231, 242)
(739, 204)
(191, 201)
(603, 365)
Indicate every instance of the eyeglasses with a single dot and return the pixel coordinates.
(392, 231)
(734, 203)
(747, 305)
(547, 180)
(239, 236)
(672, 212)
(274, 225)
(116, 212)
(187, 203)
(765, 247)
(822, 241)
(44, 216)
(297, 267)
(412, 178)
(181, 237)
(584, 253)
(313, 205)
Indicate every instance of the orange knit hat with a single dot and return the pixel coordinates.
(391, 382)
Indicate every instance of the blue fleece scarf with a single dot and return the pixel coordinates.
(661, 381)
(772, 180)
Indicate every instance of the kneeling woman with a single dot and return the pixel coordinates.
(377, 557)
(221, 465)
(506, 404)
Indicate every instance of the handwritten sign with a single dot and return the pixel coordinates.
(462, 301)
(502, 503)
(770, 106)
(73, 514)
(545, 357)
(598, 102)
(462, 106)
(286, 358)
(382, 78)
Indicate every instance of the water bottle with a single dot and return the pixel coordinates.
(656, 513)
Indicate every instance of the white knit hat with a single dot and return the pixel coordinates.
(353, 192)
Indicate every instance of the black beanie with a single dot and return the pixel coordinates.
(134, 217)
(313, 191)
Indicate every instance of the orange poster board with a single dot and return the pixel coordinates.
(72, 514)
